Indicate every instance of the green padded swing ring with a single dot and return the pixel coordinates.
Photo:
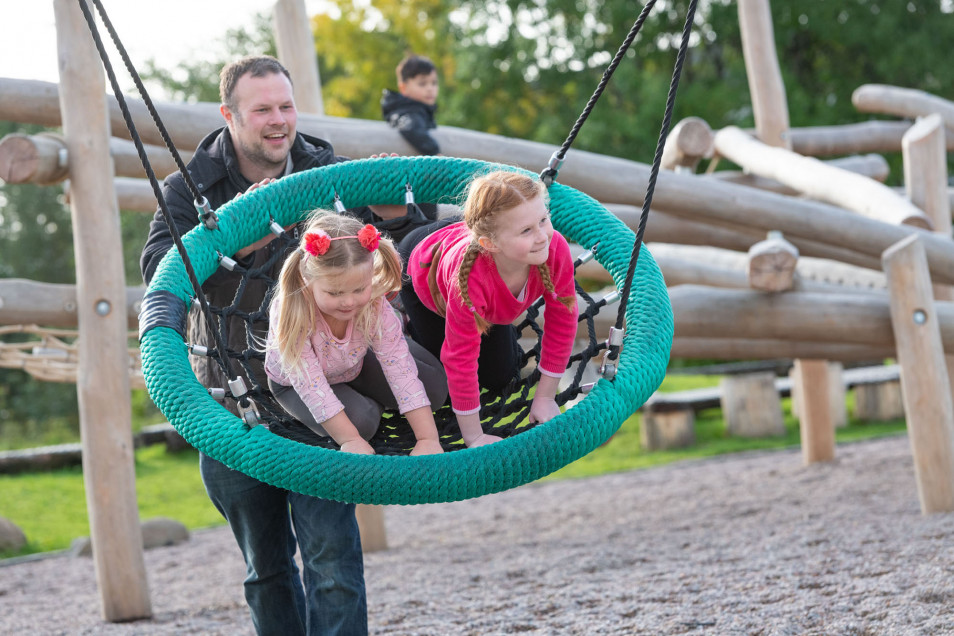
(376, 479)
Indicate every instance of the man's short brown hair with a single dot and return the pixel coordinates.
(256, 66)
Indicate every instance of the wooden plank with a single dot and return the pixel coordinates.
(924, 382)
(103, 375)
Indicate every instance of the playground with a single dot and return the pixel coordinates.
(796, 256)
(744, 544)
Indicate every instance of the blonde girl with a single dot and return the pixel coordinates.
(471, 279)
(336, 355)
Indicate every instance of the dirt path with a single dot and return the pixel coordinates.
(747, 544)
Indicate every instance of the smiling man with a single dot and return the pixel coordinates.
(259, 143)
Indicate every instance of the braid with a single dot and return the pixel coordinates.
(463, 274)
(568, 301)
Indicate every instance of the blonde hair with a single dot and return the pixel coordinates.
(297, 319)
(488, 197)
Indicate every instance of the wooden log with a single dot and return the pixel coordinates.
(818, 180)
(689, 141)
(664, 430)
(43, 159)
(817, 429)
(927, 394)
(605, 178)
(103, 384)
(879, 402)
(40, 159)
(132, 195)
(836, 391)
(663, 227)
(925, 180)
(27, 302)
(371, 525)
(902, 102)
(769, 105)
(862, 319)
(871, 165)
(843, 139)
(771, 264)
(722, 203)
(751, 406)
(716, 348)
(296, 49)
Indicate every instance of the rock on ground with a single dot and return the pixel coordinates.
(746, 544)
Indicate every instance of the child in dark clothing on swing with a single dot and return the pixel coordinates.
(411, 109)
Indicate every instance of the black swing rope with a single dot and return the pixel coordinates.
(548, 175)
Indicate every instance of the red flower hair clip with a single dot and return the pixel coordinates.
(317, 242)
(369, 237)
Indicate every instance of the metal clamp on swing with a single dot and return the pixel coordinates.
(218, 394)
(613, 342)
(237, 387)
(199, 350)
(226, 261)
(585, 256)
(208, 217)
(273, 225)
(339, 206)
(548, 176)
(408, 195)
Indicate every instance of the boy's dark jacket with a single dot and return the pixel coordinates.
(413, 119)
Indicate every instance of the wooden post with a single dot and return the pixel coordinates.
(771, 264)
(296, 50)
(103, 375)
(767, 90)
(817, 429)
(924, 383)
(689, 141)
(751, 406)
(925, 182)
(371, 527)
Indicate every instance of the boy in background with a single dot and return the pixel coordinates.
(411, 110)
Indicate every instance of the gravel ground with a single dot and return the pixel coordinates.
(748, 544)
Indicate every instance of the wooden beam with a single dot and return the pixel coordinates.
(689, 141)
(902, 102)
(716, 348)
(767, 90)
(43, 159)
(40, 159)
(296, 50)
(819, 180)
(928, 405)
(863, 319)
(27, 302)
(816, 427)
(871, 165)
(103, 385)
(771, 264)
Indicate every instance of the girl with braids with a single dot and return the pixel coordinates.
(336, 355)
(470, 280)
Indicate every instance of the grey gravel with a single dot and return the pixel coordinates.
(754, 543)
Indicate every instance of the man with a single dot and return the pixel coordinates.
(259, 144)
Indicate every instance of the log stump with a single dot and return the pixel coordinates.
(751, 406)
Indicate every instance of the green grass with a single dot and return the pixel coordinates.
(51, 507)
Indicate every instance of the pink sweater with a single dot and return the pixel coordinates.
(494, 302)
(329, 360)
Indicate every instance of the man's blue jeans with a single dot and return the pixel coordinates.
(333, 600)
